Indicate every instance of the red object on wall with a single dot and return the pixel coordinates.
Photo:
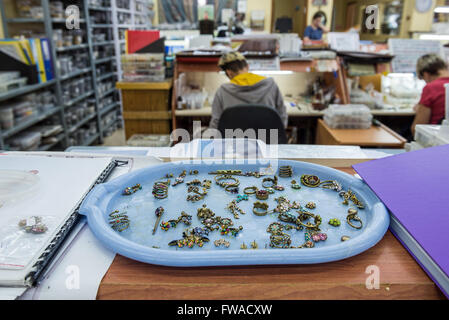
(136, 40)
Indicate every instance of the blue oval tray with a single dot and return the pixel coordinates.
(138, 243)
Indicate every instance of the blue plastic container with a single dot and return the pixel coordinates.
(138, 243)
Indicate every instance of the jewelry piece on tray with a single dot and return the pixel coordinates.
(190, 238)
(130, 190)
(241, 198)
(232, 189)
(183, 218)
(219, 181)
(235, 210)
(284, 205)
(250, 190)
(160, 189)
(118, 221)
(350, 196)
(334, 222)
(285, 172)
(270, 182)
(35, 227)
(310, 181)
(180, 178)
(345, 238)
(304, 216)
(280, 241)
(260, 209)
(311, 205)
(222, 242)
(198, 195)
(159, 212)
(243, 246)
(193, 172)
(262, 194)
(353, 217)
(295, 185)
(254, 245)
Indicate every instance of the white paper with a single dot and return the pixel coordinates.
(63, 183)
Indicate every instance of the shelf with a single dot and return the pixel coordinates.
(108, 92)
(121, 10)
(29, 122)
(75, 74)
(80, 98)
(108, 108)
(104, 60)
(24, 90)
(75, 47)
(24, 20)
(110, 125)
(105, 43)
(91, 140)
(125, 26)
(106, 76)
(99, 8)
(47, 147)
(82, 123)
(102, 26)
(64, 20)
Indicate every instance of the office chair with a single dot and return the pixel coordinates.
(207, 27)
(255, 117)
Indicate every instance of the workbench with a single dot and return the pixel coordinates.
(196, 63)
(378, 137)
(401, 277)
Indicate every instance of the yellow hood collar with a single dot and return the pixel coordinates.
(247, 79)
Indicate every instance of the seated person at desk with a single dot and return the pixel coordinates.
(315, 31)
(430, 109)
(245, 88)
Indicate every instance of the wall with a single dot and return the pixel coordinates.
(412, 20)
(327, 9)
(265, 5)
(295, 9)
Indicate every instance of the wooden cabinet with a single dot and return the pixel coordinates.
(146, 107)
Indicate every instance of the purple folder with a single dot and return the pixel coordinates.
(415, 188)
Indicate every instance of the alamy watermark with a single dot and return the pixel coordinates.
(372, 17)
(72, 21)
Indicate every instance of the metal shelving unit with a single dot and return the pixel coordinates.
(113, 62)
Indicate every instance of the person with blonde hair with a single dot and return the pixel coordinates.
(434, 71)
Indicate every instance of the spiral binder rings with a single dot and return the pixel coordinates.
(39, 268)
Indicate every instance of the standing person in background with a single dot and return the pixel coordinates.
(434, 71)
(316, 30)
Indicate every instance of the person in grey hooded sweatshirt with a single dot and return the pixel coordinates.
(245, 88)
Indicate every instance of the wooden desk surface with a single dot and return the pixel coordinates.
(373, 137)
(400, 278)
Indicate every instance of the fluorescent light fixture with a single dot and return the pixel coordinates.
(400, 75)
(273, 72)
(442, 10)
(439, 37)
(269, 72)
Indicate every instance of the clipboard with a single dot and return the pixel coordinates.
(31, 274)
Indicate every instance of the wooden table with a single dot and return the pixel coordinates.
(381, 137)
(400, 278)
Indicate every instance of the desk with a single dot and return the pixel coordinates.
(400, 276)
(381, 137)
